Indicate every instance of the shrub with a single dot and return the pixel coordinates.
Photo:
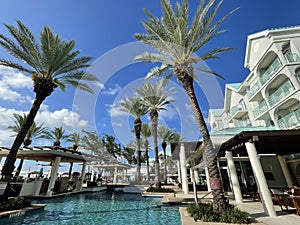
(205, 213)
(235, 216)
(13, 204)
(160, 190)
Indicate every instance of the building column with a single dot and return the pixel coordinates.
(285, 170)
(179, 172)
(53, 175)
(234, 178)
(115, 175)
(82, 176)
(92, 174)
(261, 180)
(184, 180)
(207, 179)
(196, 175)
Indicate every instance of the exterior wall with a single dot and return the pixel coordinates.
(270, 95)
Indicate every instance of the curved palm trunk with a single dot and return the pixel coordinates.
(154, 122)
(147, 159)
(43, 88)
(8, 167)
(164, 146)
(137, 128)
(219, 200)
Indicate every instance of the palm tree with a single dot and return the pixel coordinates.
(155, 97)
(57, 135)
(146, 133)
(52, 64)
(33, 132)
(176, 41)
(136, 108)
(75, 139)
(165, 134)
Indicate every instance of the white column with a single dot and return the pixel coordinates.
(92, 174)
(285, 171)
(179, 172)
(207, 179)
(82, 176)
(115, 175)
(234, 178)
(196, 175)
(261, 180)
(54, 170)
(184, 180)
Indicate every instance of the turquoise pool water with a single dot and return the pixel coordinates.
(101, 208)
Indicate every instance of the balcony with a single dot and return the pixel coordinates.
(290, 120)
(237, 111)
(298, 78)
(283, 91)
(261, 108)
(253, 90)
(276, 64)
(292, 58)
(242, 123)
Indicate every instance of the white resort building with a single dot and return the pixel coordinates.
(257, 133)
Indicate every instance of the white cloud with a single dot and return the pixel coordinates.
(115, 111)
(10, 82)
(111, 91)
(69, 120)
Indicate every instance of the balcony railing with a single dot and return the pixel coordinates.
(290, 120)
(281, 92)
(241, 123)
(253, 89)
(276, 64)
(291, 58)
(298, 78)
(234, 110)
(262, 107)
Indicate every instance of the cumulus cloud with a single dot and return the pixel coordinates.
(10, 82)
(69, 120)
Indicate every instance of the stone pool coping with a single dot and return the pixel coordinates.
(21, 212)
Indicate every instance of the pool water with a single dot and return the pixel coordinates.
(112, 208)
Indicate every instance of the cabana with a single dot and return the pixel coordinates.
(52, 185)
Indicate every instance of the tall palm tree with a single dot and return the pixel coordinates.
(155, 97)
(57, 135)
(136, 108)
(52, 64)
(146, 133)
(176, 41)
(165, 134)
(33, 132)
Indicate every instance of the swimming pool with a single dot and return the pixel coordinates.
(111, 208)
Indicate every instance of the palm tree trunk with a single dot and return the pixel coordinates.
(8, 167)
(147, 160)
(164, 146)
(154, 121)
(137, 129)
(138, 160)
(19, 168)
(219, 200)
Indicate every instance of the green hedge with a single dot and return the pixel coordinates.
(160, 190)
(205, 213)
(13, 204)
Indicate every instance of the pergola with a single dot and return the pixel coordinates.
(115, 166)
(253, 144)
(53, 154)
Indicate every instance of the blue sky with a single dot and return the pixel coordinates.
(105, 31)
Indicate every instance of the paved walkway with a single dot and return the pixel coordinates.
(255, 209)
